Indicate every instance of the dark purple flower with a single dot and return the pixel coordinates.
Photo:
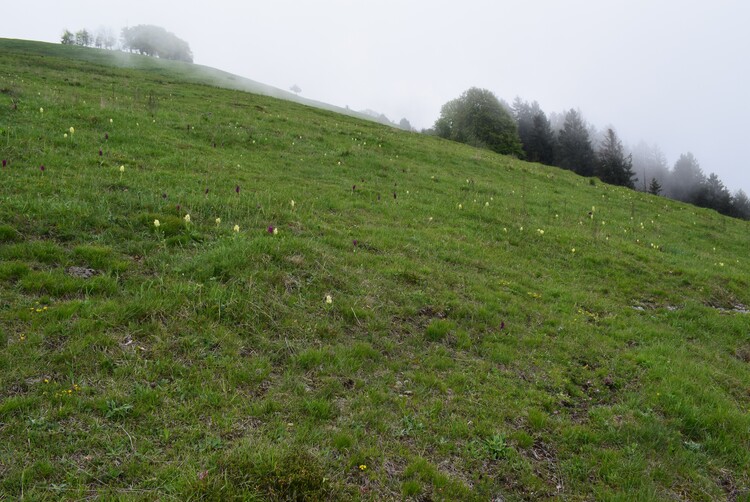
(178, 208)
(355, 242)
(354, 187)
(100, 152)
(237, 189)
(164, 196)
(378, 196)
(41, 168)
(206, 192)
(394, 195)
(106, 135)
(270, 229)
(502, 325)
(5, 162)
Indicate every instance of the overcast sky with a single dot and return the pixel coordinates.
(671, 72)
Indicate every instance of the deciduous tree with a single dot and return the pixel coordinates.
(478, 118)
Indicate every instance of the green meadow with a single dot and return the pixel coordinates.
(332, 309)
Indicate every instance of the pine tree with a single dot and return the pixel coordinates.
(541, 142)
(575, 150)
(655, 187)
(614, 166)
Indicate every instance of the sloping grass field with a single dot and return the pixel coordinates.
(349, 312)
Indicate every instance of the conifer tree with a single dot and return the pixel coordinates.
(614, 166)
(575, 150)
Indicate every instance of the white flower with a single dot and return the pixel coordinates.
(157, 224)
(329, 300)
(275, 231)
(122, 170)
(72, 130)
(187, 218)
(236, 228)
(218, 221)
(41, 110)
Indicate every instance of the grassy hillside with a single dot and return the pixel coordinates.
(351, 311)
(166, 70)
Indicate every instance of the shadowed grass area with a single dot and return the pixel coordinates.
(428, 321)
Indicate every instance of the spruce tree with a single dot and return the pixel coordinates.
(614, 166)
(655, 187)
(574, 146)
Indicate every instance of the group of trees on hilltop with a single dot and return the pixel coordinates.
(155, 41)
(566, 140)
(102, 39)
(143, 39)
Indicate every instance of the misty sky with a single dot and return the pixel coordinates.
(671, 72)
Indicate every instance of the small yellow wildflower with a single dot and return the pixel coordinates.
(460, 206)
(329, 300)
(275, 231)
(157, 224)
(218, 221)
(65, 135)
(72, 130)
(187, 218)
(573, 250)
(291, 203)
(41, 110)
(122, 169)
(236, 228)
(362, 467)
(110, 121)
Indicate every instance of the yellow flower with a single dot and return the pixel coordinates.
(362, 467)
(275, 230)
(460, 206)
(41, 110)
(329, 300)
(122, 169)
(157, 224)
(218, 221)
(65, 135)
(236, 228)
(291, 202)
(187, 218)
(72, 130)
(573, 250)
(110, 121)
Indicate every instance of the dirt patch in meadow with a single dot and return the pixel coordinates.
(81, 272)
